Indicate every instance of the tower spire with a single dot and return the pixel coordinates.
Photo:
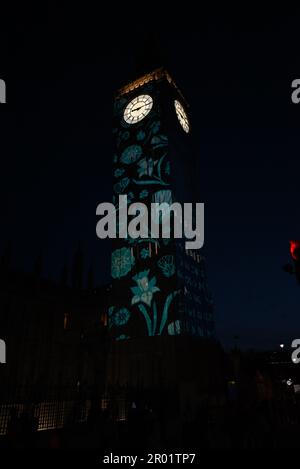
(150, 54)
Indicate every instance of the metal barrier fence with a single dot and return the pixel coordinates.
(56, 414)
(48, 415)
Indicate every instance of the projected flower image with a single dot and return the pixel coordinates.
(167, 266)
(145, 288)
(121, 262)
(131, 154)
(121, 317)
(146, 167)
(144, 295)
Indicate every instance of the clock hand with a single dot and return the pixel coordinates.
(137, 109)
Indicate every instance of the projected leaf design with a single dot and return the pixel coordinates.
(121, 262)
(131, 154)
(121, 316)
(120, 186)
(167, 265)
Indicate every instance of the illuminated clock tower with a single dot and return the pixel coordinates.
(159, 289)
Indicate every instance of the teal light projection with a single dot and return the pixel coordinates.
(145, 288)
(143, 293)
(122, 261)
(167, 265)
(155, 283)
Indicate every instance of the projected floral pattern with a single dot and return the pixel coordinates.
(143, 295)
(162, 196)
(121, 317)
(142, 169)
(174, 328)
(152, 169)
(146, 167)
(118, 317)
(144, 194)
(131, 154)
(120, 186)
(123, 337)
(121, 262)
(145, 288)
(119, 172)
(159, 141)
(154, 127)
(167, 265)
(145, 253)
(141, 135)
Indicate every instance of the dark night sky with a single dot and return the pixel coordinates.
(62, 68)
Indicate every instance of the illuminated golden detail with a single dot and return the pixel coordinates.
(182, 117)
(156, 75)
(138, 108)
(103, 319)
(67, 320)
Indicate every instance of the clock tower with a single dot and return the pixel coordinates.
(161, 302)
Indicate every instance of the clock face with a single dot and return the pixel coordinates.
(138, 108)
(182, 117)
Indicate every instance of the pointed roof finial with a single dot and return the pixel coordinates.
(150, 54)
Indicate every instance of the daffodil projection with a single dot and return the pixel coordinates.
(145, 288)
(143, 294)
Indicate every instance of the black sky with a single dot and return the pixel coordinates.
(61, 68)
